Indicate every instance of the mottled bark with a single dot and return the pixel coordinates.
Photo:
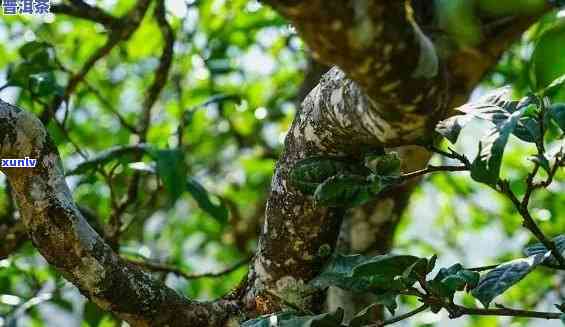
(59, 231)
(374, 45)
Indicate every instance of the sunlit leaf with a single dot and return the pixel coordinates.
(557, 114)
(500, 279)
(486, 166)
(539, 248)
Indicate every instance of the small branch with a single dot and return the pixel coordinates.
(159, 267)
(484, 268)
(162, 73)
(407, 315)
(432, 169)
(452, 154)
(80, 9)
(109, 154)
(530, 223)
(507, 312)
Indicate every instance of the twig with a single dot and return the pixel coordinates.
(461, 311)
(80, 9)
(162, 73)
(108, 155)
(407, 315)
(452, 154)
(431, 169)
(484, 268)
(530, 223)
(160, 267)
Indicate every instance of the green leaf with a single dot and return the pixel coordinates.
(339, 272)
(384, 165)
(367, 315)
(343, 191)
(461, 279)
(92, 315)
(548, 60)
(557, 114)
(453, 279)
(492, 107)
(172, 170)
(500, 279)
(387, 272)
(44, 84)
(528, 130)
(451, 128)
(542, 161)
(459, 20)
(486, 166)
(555, 86)
(359, 273)
(539, 248)
(33, 49)
(308, 174)
(204, 199)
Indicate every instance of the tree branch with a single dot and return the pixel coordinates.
(59, 231)
(82, 10)
(373, 43)
(160, 267)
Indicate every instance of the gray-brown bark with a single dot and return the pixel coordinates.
(387, 107)
(59, 231)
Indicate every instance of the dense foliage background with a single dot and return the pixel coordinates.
(221, 117)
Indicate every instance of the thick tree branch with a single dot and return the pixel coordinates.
(374, 44)
(59, 231)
